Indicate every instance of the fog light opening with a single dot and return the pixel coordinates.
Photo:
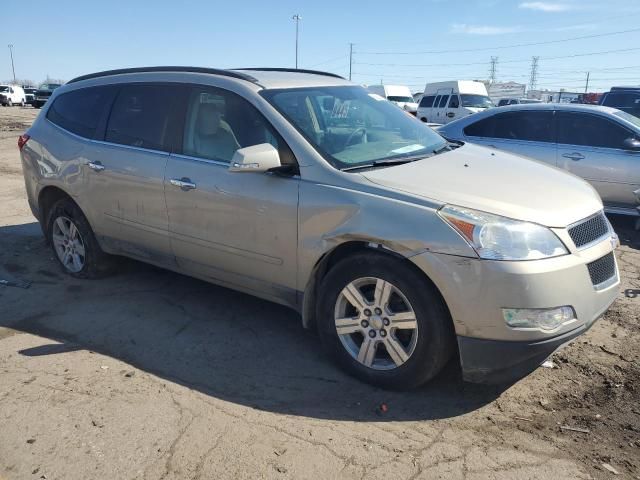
(545, 319)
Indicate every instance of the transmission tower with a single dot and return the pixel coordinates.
(534, 73)
(492, 69)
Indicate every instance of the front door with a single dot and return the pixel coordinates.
(453, 108)
(592, 147)
(239, 229)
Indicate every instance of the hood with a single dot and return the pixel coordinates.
(496, 182)
(408, 106)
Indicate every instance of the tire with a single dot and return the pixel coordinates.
(424, 119)
(36, 105)
(425, 348)
(22, 104)
(9, 103)
(69, 231)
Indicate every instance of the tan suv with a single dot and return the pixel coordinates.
(299, 187)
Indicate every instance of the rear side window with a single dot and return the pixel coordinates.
(436, 102)
(590, 130)
(427, 102)
(628, 102)
(80, 111)
(528, 126)
(443, 101)
(140, 117)
(482, 128)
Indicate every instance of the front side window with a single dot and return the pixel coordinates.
(454, 102)
(350, 127)
(481, 128)
(219, 122)
(140, 117)
(590, 130)
(80, 111)
(476, 101)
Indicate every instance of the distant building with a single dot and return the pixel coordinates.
(506, 90)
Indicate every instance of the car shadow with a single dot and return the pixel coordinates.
(624, 226)
(220, 342)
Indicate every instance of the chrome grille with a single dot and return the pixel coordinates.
(589, 230)
(602, 269)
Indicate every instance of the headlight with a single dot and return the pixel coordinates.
(499, 238)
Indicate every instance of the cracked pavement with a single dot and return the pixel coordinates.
(148, 374)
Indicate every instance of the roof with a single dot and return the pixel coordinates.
(554, 106)
(263, 77)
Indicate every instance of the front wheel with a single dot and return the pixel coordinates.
(9, 103)
(384, 322)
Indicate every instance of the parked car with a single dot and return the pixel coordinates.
(516, 101)
(30, 95)
(12, 95)
(43, 93)
(417, 96)
(398, 94)
(444, 102)
(626, 99)
(599, 144)
(302, 188)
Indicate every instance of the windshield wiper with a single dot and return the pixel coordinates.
(386, 162)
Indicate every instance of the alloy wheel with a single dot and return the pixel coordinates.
(68, 244)
(376, 323)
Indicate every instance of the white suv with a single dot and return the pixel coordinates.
(12, 94)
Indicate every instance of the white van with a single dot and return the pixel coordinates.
(12, 95)
(398, 94)
(444, 102)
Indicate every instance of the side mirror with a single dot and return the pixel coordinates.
(632, 144)
(257, 158)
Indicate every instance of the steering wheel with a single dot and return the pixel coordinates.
(361, 130)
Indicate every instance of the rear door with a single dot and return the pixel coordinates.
(239, 229)
(592, 147)
(125, 172)
(440, 109)
(528, 132)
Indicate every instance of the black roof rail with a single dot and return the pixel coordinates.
(213, 71)
(294, 70)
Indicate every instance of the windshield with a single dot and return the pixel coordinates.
(401, 99)
(476, 101)
(351, 127)
(628, 117)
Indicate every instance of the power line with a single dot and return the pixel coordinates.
(500, 47)
(341, 57)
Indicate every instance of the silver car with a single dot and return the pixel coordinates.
(402, 249)
(599, 144)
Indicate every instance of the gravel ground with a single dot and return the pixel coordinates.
(150, 374)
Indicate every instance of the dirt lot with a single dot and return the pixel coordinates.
(150, 374)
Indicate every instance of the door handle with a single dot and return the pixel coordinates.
(451, 114)
(184, 183)
(575, 156)
(96, 166)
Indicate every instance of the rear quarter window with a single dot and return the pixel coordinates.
(427, 102)
(80, 111)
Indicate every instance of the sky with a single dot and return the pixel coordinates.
(409, 43)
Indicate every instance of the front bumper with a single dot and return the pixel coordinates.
(496, 361)
(476, 291)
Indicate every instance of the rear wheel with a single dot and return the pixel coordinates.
(74, 243)
(9, 103)
(383, 322)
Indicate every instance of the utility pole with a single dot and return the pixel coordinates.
(492, 70)
(297, 18)
(350, 59)
(586, 87)
(534, 73)
(12, 67)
